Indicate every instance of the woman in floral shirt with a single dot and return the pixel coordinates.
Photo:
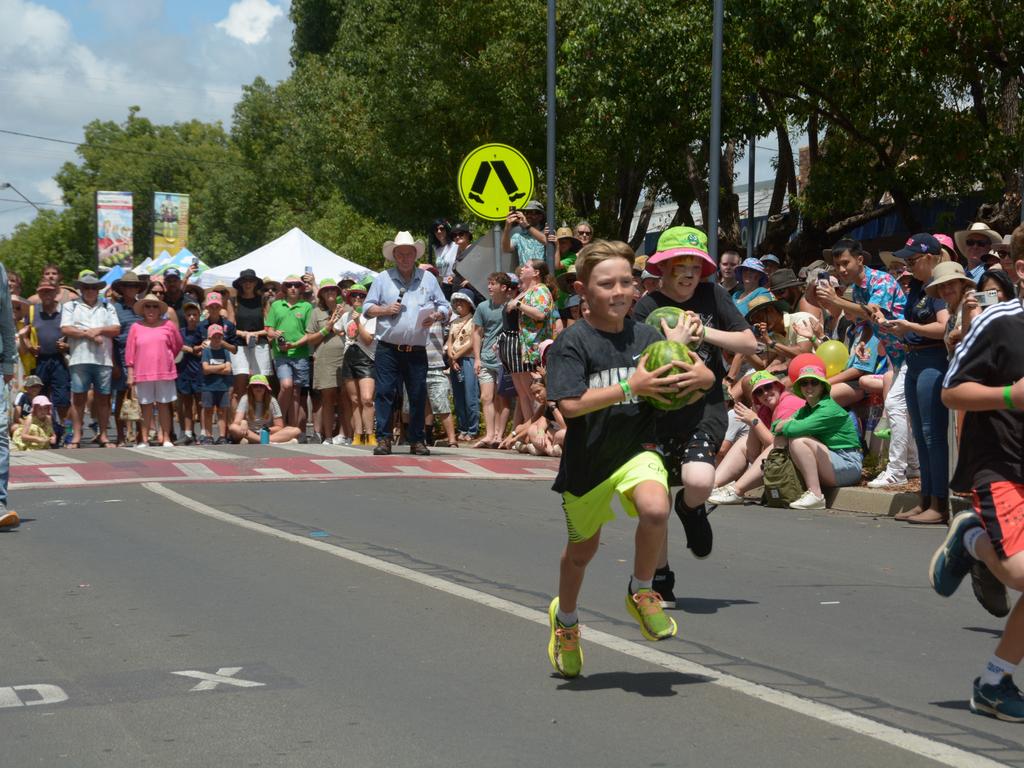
(534, 304)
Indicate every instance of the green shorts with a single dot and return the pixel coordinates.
(584, 515)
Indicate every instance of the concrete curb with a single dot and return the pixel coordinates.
(877, 503)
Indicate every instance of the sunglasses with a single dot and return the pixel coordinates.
(978, 243)
(151, 306)
(584, 233)
(158, 293)
(293, 285)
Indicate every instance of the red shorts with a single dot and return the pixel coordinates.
(1000, 506)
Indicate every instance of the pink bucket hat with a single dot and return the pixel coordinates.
(682, 241)
(41, 400)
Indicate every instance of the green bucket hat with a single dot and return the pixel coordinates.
(813, 372)
(327, 282)
(760, 379)
(259, 380)
(682, 241)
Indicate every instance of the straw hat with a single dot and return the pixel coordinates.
(977, 228)
(947, 272)
(149, 298)
(890, 259)
(402, 238)
(565, 233)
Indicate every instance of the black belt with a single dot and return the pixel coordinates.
(402, 347)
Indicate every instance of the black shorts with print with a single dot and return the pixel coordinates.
(675, 452)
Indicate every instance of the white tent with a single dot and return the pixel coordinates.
(290, 254)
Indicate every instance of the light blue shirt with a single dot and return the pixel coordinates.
(423, 290)
(526, 246)
(976, 273)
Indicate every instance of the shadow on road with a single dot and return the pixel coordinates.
(986, 631)
(706, 605)
(952, 704)
(652, 684)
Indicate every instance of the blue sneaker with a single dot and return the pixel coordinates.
(951, 562)
(1002, 701)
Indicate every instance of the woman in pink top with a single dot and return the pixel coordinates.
(775, 404)
(149, 354)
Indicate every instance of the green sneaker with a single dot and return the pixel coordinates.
(564, 649)
(645, 607)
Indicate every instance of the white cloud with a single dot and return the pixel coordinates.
(250, 20)
(52, 84)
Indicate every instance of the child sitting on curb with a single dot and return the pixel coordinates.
(35, 433)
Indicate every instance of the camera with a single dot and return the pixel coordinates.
(987, 298)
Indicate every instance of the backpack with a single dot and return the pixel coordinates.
(782, 481)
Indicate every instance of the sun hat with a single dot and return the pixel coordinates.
(222, 288)
(813, 372)
(754, 264)
(772, 258)
(32, 381)
(82, 273)
(640, 263)
(682, 241)
(215, 330)
(1000, 247)
(565, 233)
(460, 296)
(47, 287)
(128, 278)
(294, 279)
(149, 298)
(977, 228)
(566, 279)
(327, 282)
(810, 272)
(462, 227)
(259, 380)
(195, 291)
(947, 245)
(761, 379)
(190, 303)
(919, 245)
(402, 238)
(573, 301)
(947, 272)
(358, 288)
(247, 274)
(42, 400)
(90, 281)
(268, 281)
(890, 259)
(784, 278)
(763, 302)
(214, 299)
(533, 205)
(543, 347)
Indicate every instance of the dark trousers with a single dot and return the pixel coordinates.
(392, 369)
(929, 418)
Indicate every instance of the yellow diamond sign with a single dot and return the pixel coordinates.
(494, 178)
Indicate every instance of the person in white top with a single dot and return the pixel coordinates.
(90, 327)
(444, 252)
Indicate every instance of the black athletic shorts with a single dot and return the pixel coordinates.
(676, 451)
(356, 364)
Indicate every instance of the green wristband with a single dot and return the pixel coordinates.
(626, 389)
(1008, 397)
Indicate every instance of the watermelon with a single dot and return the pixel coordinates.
(671, 315)
(662, 353)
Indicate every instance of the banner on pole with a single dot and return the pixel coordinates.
(170, 222)
(114, 230)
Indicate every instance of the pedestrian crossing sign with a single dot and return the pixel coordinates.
(494, 178)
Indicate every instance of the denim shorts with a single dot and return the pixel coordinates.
(846, 465)
(294, 369)
(211, 399)
(86, 375)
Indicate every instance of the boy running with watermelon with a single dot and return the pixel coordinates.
(596, 373)
(689, 438)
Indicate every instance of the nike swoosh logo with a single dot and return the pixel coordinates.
(637, 357)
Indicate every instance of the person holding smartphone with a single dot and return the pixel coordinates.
(524, 233)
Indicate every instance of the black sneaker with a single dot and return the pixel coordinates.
(1002, 701)
(989, 590)
(419, 449)
(383, 447)
(664, 585)
(699, 537)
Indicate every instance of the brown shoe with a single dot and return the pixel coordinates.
(419, 449)
(383, 447)
(929, 517)
(10, 520)
(915, 510)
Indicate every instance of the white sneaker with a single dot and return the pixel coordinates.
(885, 480)
(168, 444)
(809, 501)
(725, 495)
(328, 441)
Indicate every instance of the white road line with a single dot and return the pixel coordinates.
(43, 458)
(274, 472)
(337, 467)
(194, 469)
(896, 737)
(62, 474)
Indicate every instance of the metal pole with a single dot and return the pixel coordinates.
(549, 249)
(750, 198)
(715, 144)
(496, 236)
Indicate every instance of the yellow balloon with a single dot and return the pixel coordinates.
(834, 355)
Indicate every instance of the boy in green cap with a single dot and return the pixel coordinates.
(690, 437)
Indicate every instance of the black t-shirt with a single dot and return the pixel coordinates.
(992, 443)
(716, 310)
(600, 442)
(921, 309)
(249, 314)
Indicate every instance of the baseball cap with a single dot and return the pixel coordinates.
(918, 245)
(33, 381)
(214, 298)
(215, 330)
(40, 400)
(172, 272)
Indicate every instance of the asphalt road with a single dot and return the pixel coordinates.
(140, 611)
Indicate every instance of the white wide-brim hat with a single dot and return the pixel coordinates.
(402, 238)
(977, 228)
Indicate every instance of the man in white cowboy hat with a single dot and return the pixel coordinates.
(8, 356)
(974, 242)
(524, 233)
(90, 326)
(406, 301)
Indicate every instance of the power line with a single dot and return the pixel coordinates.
(122, 149)
(32, 202)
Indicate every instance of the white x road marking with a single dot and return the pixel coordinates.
(224, 675)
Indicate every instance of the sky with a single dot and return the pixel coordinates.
(64, 63)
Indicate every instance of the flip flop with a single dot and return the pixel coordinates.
(71, 445)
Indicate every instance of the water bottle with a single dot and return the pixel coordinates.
(265, 436)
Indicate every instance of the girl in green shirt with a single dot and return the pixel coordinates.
(822, 439)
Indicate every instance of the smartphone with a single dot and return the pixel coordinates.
(195, 261)
(511, 209)
(309, 270)
(986, 298)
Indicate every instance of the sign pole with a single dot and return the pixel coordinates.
(750, 199)
(715, 144)
(549, 248)
(496, 234)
